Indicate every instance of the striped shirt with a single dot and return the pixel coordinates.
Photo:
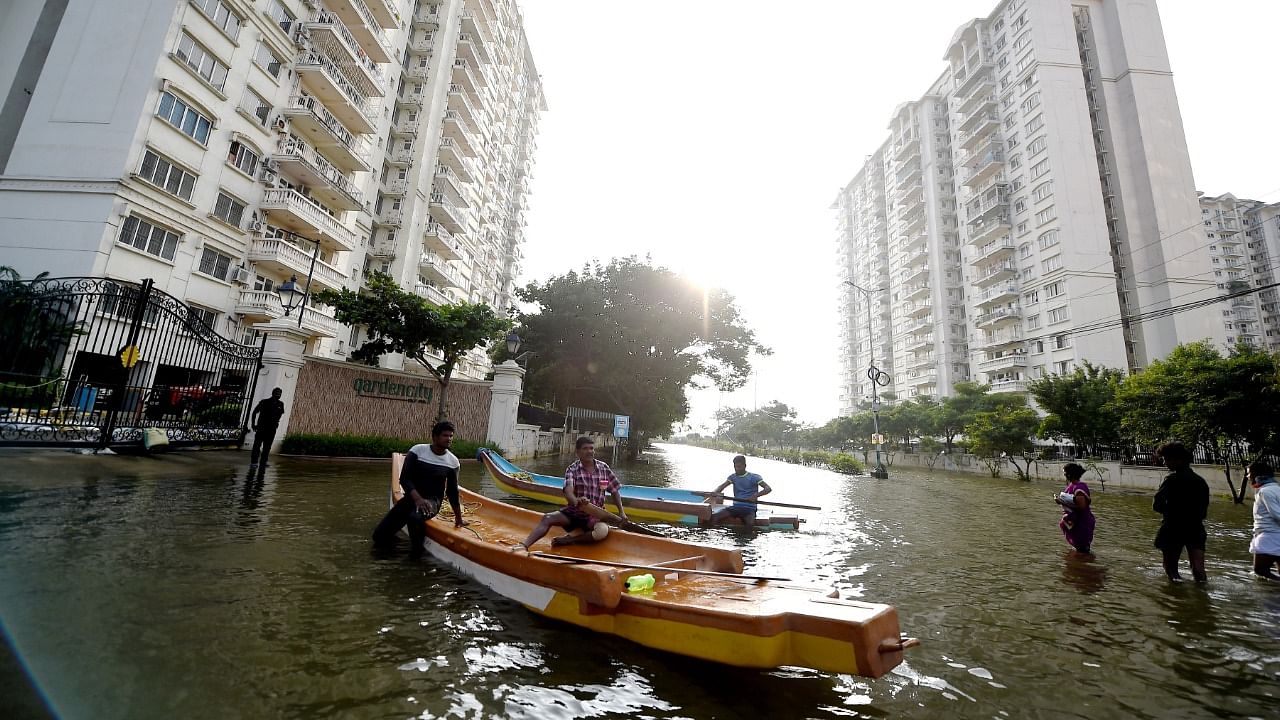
(591, 483)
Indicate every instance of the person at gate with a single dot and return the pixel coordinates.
(265, 420)
(1265, 544)
(586, 482)
(1077, 521)
(429, 474)
(746, 486)
(1183, 499)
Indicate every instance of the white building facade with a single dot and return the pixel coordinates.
(1073, 197)
(221, 147)
(1244, 246)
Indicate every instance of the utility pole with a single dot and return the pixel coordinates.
(877, 377)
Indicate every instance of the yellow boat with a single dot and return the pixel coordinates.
(669, 505)
(701, 604)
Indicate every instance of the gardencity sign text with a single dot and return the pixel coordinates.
(386, 389)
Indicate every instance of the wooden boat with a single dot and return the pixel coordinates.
(701, 604)
(671, 505)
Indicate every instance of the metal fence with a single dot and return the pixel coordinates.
(93, 361)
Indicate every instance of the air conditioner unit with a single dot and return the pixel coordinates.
(255, 226)
(241, 276)
(280, 124)
(270, 165)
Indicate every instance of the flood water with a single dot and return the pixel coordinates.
(184, 587)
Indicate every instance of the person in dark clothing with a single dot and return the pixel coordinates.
(429, 474)
(265, 421)
(1183, 499)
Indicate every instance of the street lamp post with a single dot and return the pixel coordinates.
(290, 295)
(877, 377)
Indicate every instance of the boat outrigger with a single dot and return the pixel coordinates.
(670, 505)
(700, 603)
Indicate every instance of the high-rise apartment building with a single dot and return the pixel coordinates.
(1244, 245)
(221, 147)
(1071, 189)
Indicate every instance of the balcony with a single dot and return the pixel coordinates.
(392, 216)
(914, 221)
(432, 294)
(448, 155)
(998, 317)
(989, 228)
(446, 213)
(463, 76)
(992, 274)
(325, 81)
(264, 305)
(922, 362)
(475, 25)
(436, 267)
(1005, 386)
(364, 26)
(303, 165)
(428, 16)
(991, 252)
(918, 310)
(329, 32)
(313, 121)
(921, 379)
(284, 258)
(996, 295)
(459, 102)
(979, 72)
(400, 156)
(441, 241)
(1002, 362)
(457, 130)
(384, 12)
(916, 273)
(396, 187)
(994, 340)
(916, 343)
(915, 240)
(980, 209)
(912, 192)
(984, 166)
(906, 150)
(979, 96)
(473, 49)
(915, 292)
(446, 179)
(293, 211)
(907, 173)
(407, 125)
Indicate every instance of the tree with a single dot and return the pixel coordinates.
(629, 338)
(401, 322)
(1081, 407)
(1003, 433)
(955, 412)
(1225, 405)
(37, 322)
(769, 425)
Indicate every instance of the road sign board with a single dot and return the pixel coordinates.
(877, 439)
(621, 425)
(130, 355)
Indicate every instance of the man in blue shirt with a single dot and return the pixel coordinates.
(746, 486)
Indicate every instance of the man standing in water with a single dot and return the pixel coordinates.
(265, 421)
(1183, 499)
(746, 486)
(430, 473)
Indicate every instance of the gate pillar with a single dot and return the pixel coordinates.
(281, 361)
(508, 383)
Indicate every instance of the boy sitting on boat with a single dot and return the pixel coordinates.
(586, 482)
(746, 487)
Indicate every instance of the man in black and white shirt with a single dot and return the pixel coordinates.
(429, 474)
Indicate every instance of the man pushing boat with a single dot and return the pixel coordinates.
(586, 482)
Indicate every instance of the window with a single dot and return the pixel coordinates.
(222, 16)
(1062, 367)
(242, 158)
(1028, 82)
(1035, 124)
(1015, 162)
(1025, 63)
(1046, 215)
(263, 283)
(1058, 314)
(228, 209)
(1031, 103)
(215, 265)
(1033, 322)
(122, 301)
(1021, 228)
(1061, 342)
(184, 117)
(1019, 206)
(1028, 273)
(264, 58)
(1042, 191)
(150, 239)
(1054, 289)
(1024, 251)
(257, 107)
(202, 62)
(202, 318)
(1016, 185)
(1048, 239)
(1037, 145)
(1023, 40)
(1040, 168)
(1031, 297)
(281, 15)
(164, 174)
(1053, 263)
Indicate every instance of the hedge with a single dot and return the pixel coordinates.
(372, 446)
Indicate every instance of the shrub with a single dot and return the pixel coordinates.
(845, 463)
(372, 446)
(41, 394)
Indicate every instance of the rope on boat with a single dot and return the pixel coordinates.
(468, 509)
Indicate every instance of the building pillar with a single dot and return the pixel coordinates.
(504, 405)
(281, 362)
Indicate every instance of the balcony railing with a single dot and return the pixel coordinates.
(328, 22)
(354, 108)
(999, 315)
(294, 150)
(355, 148)
(293, 203)
(296, 260)
(432, 294)
(266, 303)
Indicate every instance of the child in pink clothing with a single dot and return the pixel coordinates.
(1077, 523)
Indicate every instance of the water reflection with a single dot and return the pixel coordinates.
(1083, 572)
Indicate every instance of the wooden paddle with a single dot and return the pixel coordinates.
(600, 513)
(657, 568)
(755, 502)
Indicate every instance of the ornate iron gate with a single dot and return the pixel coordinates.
(93, 362)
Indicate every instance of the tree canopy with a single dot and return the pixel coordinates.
(401, 322)
(772, 425)
(629, 338)
(1080, 407)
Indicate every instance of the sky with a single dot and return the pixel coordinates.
(715, 139)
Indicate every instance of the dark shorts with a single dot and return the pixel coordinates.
(578, 519)
(1175, 537)
(739, 511)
